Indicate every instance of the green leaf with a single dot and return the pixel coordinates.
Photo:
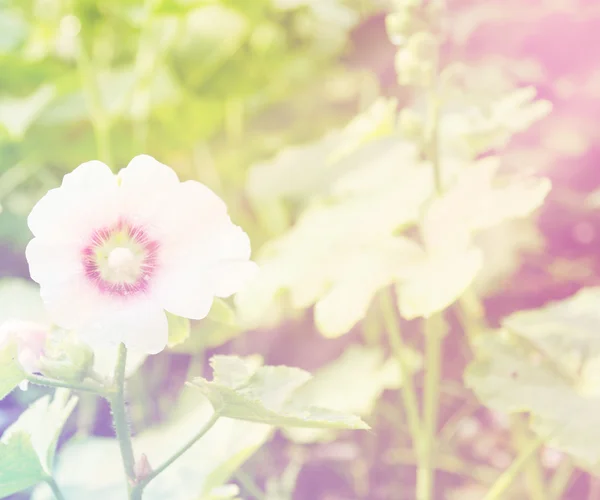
(362, 368)
(11, 374)
(222, 312)
(548, 365)
(204, 468)
(20, 467)
(241, 390)
(179, 329)
(27, 448)
(436, 281)
(220, 326)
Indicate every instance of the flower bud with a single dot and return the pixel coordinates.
(65, 358)
(29, 338)
(398, 26)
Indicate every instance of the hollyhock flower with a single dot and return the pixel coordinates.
(112, 253)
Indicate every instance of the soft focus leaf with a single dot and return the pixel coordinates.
(549, 365)
(179, 329)
(309, 169)
(265, 395)
(509, 377)
(436, 282)
(28, 446)
(202, 469)
(222, 312)
(352, 383)
(475, 201)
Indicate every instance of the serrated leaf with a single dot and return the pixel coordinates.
(266, 396)
(200, 472)
(29, 445)
(509, 377)
(179, 329)
(365, 370)
(20, 467)
(11, 374)
(547, 356)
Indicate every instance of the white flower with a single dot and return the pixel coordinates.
(112, 253)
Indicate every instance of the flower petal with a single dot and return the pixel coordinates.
(146, 188)
(52, 262)
(140, 323)
(71, 303)
(184, 291)
(86, 199)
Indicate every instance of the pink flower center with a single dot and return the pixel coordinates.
(120, 259)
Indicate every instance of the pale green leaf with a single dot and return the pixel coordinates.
(299, 171)
(476, 200)
(222, 312)
(199, 472)
(179, 329)
(11, 374)
(436, 282)
(265, 395)
(28, 446)
(358, 277)
(352, 383)
(20, 467)
(509, 376)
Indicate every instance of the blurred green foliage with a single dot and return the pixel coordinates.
(206, 86)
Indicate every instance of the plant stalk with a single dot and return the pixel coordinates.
(55, 489)
(407, 387)
(434, 332)
(117, 405)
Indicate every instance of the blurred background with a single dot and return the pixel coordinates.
(247, 96)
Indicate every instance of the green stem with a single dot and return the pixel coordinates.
(506, 479)
(49, 382)
(407, 387)
(205, 428)
(563, 475)
(434, 332)
(117, 405)
(534, 476)
(250, 485)
(55, 489)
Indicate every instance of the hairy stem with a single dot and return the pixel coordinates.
(117, 405)
(75, 386)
